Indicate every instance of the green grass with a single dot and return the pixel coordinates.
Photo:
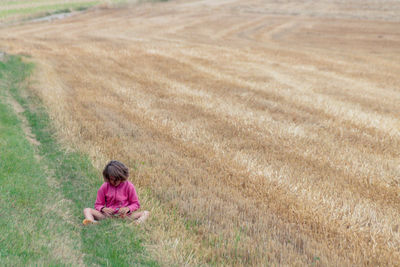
(25, 237)
(21, 2)
(55, 7)
(29, 231)
(49, 9)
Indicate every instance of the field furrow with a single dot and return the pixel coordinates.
(272, 126)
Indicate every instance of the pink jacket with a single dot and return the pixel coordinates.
(115, 197)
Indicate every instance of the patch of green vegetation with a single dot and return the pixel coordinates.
(154, 0)
(81, 8)
(20, 2)
(26, 238)
(111, 242)
(65, 10)
(50, 9)
(47, 9)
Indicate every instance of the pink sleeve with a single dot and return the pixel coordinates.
(101, 198)
(133, 198)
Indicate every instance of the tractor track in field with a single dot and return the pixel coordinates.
(276, 120)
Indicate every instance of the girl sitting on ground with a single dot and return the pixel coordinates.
(116, 197)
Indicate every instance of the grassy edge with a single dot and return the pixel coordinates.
(27, 14)
(48, 9)
(25, 238)
(112, 242)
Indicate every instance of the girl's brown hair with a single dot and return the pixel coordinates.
(117, 170)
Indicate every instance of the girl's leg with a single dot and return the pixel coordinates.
(91, 215)
(140, 216)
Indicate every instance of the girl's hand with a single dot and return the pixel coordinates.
(123, 211)
(107, 211)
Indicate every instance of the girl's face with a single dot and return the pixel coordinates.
(114, 181)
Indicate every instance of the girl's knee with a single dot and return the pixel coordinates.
(85, 210)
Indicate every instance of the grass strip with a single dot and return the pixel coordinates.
(27, 233)
(112, 242)
(22, 2)
(51, 9)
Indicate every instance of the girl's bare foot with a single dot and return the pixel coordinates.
(143, 218)
(87, 222)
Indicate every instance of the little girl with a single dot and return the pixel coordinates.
(116, 197)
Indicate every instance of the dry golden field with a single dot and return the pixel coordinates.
(267, 131)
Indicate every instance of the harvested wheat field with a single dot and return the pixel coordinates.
(267, 131)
